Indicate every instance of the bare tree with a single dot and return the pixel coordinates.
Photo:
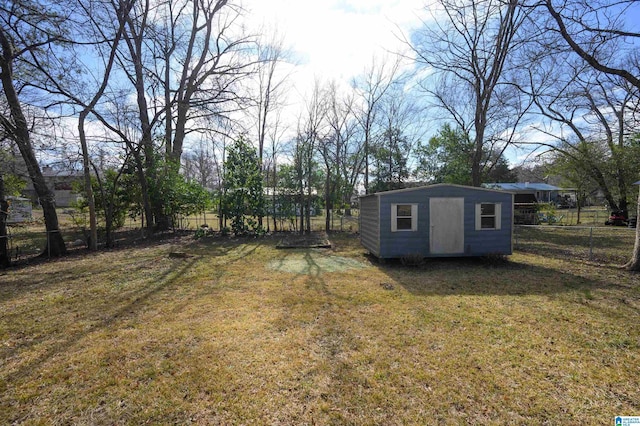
(467, 46)
(311, 128)
(271, 89)
(588, 117)
(370, 89)
(211, 63)
(589, 26)
(199, 165)
(275, 135)
(184, 60)
(123, 9)
(219, 139)
(402, 125)
(334, 148)
(593, 29)
(270, 95)
(29, 30)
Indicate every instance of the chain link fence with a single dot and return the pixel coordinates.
(29, 239)
(340, 220)
(588, 216)
(598, 243)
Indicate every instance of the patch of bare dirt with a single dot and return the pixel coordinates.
(313, 240)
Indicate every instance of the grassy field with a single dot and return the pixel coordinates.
(604, 244)
(239, 332)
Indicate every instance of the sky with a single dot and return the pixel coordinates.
(337, 39)
(334, 40)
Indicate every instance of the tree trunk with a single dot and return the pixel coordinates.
(93, 222)
(161, 220)
(5, 259)
(220, 215)
(327, 218)
(19, 133)
(327, 203)
(147, 173)
(144, 190)
(108, 207)
(302, 204)
(634, 263)
(55, 244)
(302, 201)
(366, 163)
(108, 225)
(275, 186)
(579, 211)
(307, 212)
(476, 159)
(86, 173)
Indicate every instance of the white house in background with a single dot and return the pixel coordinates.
(543, 192)
(60, 182)
(528, 196)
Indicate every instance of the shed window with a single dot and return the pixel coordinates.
(488, 216)
(404, 217)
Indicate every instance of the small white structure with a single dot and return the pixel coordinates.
(19, 210)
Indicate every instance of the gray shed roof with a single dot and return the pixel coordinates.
(417, 188)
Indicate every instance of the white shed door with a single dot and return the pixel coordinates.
(446, 225)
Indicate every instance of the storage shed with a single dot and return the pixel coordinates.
(440, 220)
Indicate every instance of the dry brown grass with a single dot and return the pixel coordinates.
(225, 337)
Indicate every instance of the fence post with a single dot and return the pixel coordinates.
(591, 243)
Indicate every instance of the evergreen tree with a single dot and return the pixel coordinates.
(243, 195)
(389, 155)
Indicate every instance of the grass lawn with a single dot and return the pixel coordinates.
(241, 333)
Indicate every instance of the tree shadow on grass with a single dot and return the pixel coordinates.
(44, 283)
(35, 273)
(314, 272)
(301, 263)
(41, 275)
(312, 263)
(64, 341)
(481, 276)
(575, 253)
(223, 245)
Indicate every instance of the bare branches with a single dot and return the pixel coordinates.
(468, 49)
(597, 36)
(371, 88)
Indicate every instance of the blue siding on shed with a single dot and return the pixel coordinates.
(398, 244)
(370, 224)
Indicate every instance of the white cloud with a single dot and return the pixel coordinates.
(337, 39)
(332, 40)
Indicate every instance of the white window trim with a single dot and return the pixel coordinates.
(498, 216)
(394, 217)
